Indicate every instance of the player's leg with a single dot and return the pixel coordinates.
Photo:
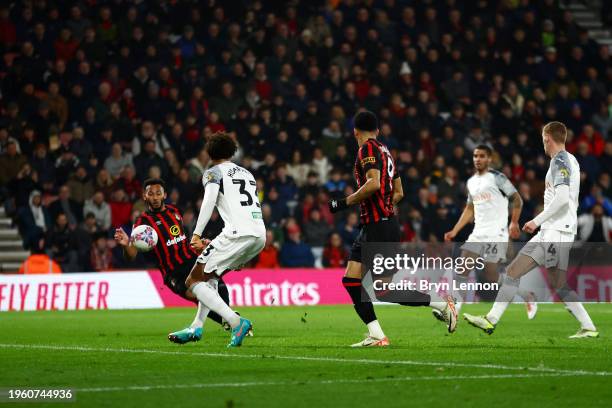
(352, 282)
(520, 266)
(204, 286)
(557, 280)
(225, 255)
(531, 306)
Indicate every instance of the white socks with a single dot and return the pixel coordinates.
(200, 316)
(375, 330)
(580, 313)
(504, 297)
(206, 292)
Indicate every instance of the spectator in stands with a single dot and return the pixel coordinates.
(268, 257)
(335, 254)
(121, 208)
(80, 185)
(316, 230)
(117, 161)
(61, 244)
(39, 262)
(350, 228)
(595, 197)
(595, 226)
(128, 183)
(67, 206)
(33, 220)
(11, 162)
(100, 209)
(101, 258)
(295, 253)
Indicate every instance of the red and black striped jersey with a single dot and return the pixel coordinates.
(375, 155)
(172, 249)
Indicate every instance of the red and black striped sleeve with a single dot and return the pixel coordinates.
(369, 157)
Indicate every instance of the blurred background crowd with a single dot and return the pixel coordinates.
(97, 96)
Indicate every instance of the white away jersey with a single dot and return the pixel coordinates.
(489, 194)
(237, 202)
(563, 169)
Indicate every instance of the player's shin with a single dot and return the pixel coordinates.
(200, 316)
(363, 305)
(504, 297)
(570, 298)
(206, 292)
(224, 293)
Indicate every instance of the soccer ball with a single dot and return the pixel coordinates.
(144, 238)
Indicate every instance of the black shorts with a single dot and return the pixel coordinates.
(386, 230)
(175, 279)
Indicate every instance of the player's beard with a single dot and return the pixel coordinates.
(155, 209)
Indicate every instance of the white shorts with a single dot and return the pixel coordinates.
(491, 248)
(227, 253)
(550, 248)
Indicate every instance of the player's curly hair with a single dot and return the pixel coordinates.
(220, 146)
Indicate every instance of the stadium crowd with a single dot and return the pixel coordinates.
(99, 95)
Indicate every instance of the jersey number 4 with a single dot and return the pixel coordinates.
(243, 191)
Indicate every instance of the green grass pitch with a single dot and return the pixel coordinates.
(299, 358)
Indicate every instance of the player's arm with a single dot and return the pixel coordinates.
(398, 190)
(368, 188)
(212, 180)
(129, 251)
(467, 216)
(211, 193)
(516, 203)
(370, 161)
(561, 180)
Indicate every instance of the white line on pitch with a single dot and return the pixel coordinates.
(305, 358)
(321, 382)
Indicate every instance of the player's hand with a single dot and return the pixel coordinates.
(197, 244)
(530, 227)
(336, 205)
(121, 237)
(449, 236)
(514, 230)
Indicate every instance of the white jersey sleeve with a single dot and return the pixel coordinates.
(564, 170)
(504, 185)
(237, 201)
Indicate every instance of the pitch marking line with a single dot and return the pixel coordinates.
(305, 358)
(322, 382)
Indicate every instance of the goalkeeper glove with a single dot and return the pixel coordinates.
(336, 205)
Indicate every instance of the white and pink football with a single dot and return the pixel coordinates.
(144, 238)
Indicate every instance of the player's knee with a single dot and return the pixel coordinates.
(353, 270)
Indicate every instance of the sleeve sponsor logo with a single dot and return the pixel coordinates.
(367, 160)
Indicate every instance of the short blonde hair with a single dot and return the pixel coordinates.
(556, 130)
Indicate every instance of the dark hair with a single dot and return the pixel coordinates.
(152, 181)
(220, 146)
(485, 148)
(366, 121)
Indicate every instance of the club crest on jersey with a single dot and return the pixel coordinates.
(564, 172)
(175, 230)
